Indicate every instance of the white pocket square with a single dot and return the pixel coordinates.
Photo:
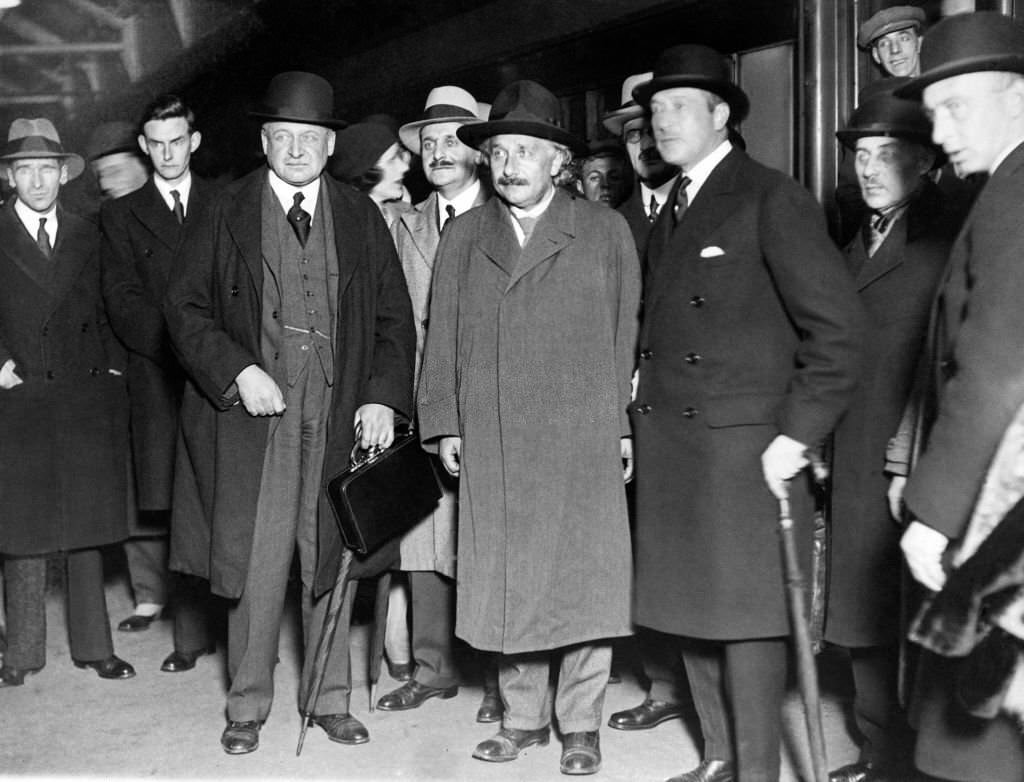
(712, 252)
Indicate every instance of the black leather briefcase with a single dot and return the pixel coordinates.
(384, 493)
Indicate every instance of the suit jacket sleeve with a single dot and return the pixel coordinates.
(628, 312)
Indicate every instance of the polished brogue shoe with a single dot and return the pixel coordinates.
(136, 623)
(400, 672)
(708, 771)
(507, 743)
(111, 668)
(581, 753)
(491, 708)
(239, 738)
(15, 677)
(178, 662)
(343, 728)
(412, 694)
(647, 715)
(853, 772)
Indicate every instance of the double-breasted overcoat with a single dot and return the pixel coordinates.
(64, 430)
(751, 329)
(528, 359)
(214, 311)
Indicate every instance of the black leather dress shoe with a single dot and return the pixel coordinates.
(343, 728)
(853, 772)
(581, 753)
(177, 662)
(136, 622)
(491, 708)
(239, 738)
(507, 743)
(400, 672)
(111, 668)
(412, 694)
(15, 677)
(708, 771)
(647, 715)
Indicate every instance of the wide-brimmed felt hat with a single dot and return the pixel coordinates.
(880, 113)
(695, 65)
(109, 138)
(38, 138)
(444, 104)
(297, 96)
(357, 149)
(889, 20)
(966, 43)
(630, 109)
(524, 108)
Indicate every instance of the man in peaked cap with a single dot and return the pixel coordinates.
(523, 392)
(896, 259)
(893, 36)
(428, 550)
(292, 317)
(972, 85)
(749, 352)
(63, 411)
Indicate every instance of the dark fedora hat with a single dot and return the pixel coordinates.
(37, 138)
(965, 43)
(887, 115)
(695, 65)
(297, 96)
(525, 108)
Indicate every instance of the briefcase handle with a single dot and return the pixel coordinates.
(358, 456)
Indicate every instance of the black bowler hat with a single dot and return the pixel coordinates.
(695, 65)
(525, 108)
(965, 43)
(887, 115)
(297, 96)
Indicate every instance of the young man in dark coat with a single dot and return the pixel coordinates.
(293, 318)
(142, 232)
(896, 260)
(63, 411)
(972, 85)
(749, 353)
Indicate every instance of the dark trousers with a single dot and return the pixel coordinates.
(876, 709)
(25, 592)
(192, 603)
(433, 628)
(660, 655)
(738, 688)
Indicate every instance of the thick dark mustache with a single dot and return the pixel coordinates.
(650, 155)
(506, 181)
(441, 164)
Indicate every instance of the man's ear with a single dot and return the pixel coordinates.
(874, 55)
(720, 115)
(142, 145)
(330, 142)
(194, 140)
(63, 174)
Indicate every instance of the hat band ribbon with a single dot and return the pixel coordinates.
(439, 110)
(34, 144)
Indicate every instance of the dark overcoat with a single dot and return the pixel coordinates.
(214, 311)
(528, 359)
(976, 335)
(64, 459)
(140, 242)
(636, 217)
(897, 286)
(751, 328)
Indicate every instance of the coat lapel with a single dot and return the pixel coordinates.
(21, 248)
(152, 213)
(71, 252)
(498, 239)
(243, 220)
(888, 256)
(422, 226)
(555, 228)
(346, 229)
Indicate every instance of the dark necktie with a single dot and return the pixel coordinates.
(43, 239)
(527, 224)
(682, 201)
(878, 227)
(450, 212)
(299, 218)
(178, 209)
(652, 210)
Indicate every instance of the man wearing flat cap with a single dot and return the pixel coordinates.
(896, 259)
(428, 550)
(749, 352)
(292, 317)
(63, 411)
(972, 86)
(523, 392)
(893, 36)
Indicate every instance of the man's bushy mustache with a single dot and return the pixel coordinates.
(507, 181)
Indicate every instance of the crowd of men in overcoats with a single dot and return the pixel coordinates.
(215, 354)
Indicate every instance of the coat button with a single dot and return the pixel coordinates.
(85, 327)
(49, 374)
(94, 371)
(46, 330)
(690, 412)
(274, 314)
(643, 409)
(646, 354)
(692, 358)
(697, 301)
(234, 290)
(148, 253)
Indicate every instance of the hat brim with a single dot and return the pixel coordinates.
(848, 138)
(74, 162)
(475, 134)
(267, 115)
(1014, 63)
(739, 103)
(614, 120)
(409, 133)
(891, 27)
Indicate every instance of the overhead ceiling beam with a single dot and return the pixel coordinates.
(20, 25)
(31, 49)
(98, 12)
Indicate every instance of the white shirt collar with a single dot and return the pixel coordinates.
(463, 202)
(660, 194)
(286, 193)
(1005, 154)
(699, 173)
(30, 219)
(184, 188)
